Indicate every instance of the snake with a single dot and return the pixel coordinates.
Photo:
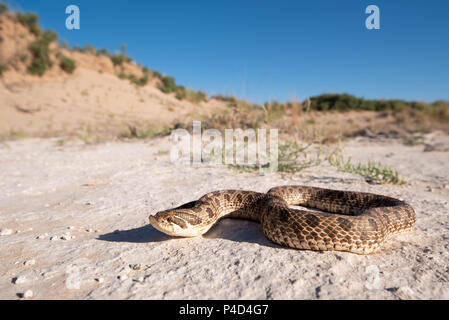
(328, 220)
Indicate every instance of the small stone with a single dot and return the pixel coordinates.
(66, 237)
(135, 267)
(89, 230)
(30, 262)
(54, 238)
(19, 280)
(89, 184)
(122, 277)
(71, 227)
(42, 236)
(5, 232)
(26, 295)
(99, 280)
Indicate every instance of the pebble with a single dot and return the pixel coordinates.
(19, 280)
(71, 227)
(5, 232)
(99, 280)
(54, 238)
(42, 236)
(89, 230)
(27, 294)
(67, 237)
(89, 184)
(122, 277)
(135, 267)
(30, 262)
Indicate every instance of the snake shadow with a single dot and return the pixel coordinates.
(142, 234)
(228, 229)
(240, 231)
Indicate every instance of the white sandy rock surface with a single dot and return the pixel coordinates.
(98, 198)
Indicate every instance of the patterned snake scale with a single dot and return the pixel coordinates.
(348, 221)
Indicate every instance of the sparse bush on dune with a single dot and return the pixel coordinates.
(119, 59)
(29, 20)
(168, 84)
(344, 102)
(3, 68)
(230, 99)
(3, 7)
(67, 64)
(39, 49)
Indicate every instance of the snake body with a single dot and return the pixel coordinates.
(351, 221)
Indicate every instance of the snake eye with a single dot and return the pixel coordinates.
(169, 219)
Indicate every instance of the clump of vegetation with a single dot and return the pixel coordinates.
(151, 132)
(3, 68)
(3, 7)
(139, 81)
(29, 20)
(119, 59)
(413, 140)
(372, 171)
(67, 64)
(39, 49)
(343, 102)
(293, 157)
(168, 85)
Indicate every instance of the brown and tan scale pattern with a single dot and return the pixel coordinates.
(348, 221)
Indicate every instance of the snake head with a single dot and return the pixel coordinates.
(176, 223)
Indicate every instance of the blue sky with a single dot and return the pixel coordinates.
(262, 50)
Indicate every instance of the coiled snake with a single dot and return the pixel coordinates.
(353, 221)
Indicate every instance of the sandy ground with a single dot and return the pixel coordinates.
(98, 198)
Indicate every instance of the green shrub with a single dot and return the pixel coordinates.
(342, 102)
(29, 20)
(156, 74)
(142, 81)
(67, 64)
(372, 171)
(131, 77)
(49, 36)
(3, 7)
(39, 49)
(103, 52)
(168, 84)
(90, 49)
(118, 59)
(230, 99)
(3, 68)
